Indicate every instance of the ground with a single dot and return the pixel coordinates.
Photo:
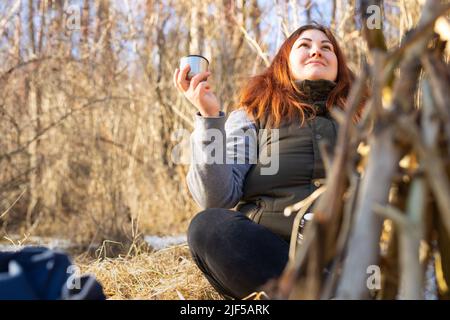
(164, 274)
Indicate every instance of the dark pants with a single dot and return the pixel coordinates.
(236, 254)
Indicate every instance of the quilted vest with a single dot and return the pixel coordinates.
(301, 169)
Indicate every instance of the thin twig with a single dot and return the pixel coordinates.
(13, 204)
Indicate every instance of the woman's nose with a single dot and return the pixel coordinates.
(315, 52)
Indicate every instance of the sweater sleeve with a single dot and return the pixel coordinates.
(222, 152)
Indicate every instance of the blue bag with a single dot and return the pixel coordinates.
(39, 273)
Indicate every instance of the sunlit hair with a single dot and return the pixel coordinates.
(272, 95)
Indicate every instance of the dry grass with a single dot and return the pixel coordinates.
(167, 274)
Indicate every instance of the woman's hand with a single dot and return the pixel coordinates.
(197, 91)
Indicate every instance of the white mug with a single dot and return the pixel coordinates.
(197, 63)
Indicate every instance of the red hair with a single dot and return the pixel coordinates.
(273, 96)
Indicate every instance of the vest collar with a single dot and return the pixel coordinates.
(315, 93)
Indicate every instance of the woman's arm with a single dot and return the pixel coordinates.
(219, 185)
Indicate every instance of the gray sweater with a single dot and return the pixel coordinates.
(220, 185)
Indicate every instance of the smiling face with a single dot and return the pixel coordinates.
(312, 57)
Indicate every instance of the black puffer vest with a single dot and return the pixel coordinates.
(301, 169)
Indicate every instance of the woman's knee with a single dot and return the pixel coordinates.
(203, 226)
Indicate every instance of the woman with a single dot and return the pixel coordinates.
(240, 250)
